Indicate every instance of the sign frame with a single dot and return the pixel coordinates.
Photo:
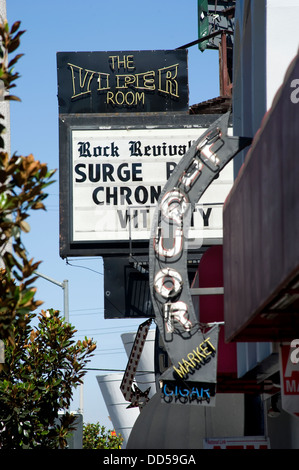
(123, 81)
(135, 121)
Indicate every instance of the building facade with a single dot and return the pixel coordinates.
(260, 215)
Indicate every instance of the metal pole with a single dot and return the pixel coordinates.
(5, 113)
(81, 399)
(65, 287)
(5, 104)
(2, 352)
(207, 291)
(66, 299)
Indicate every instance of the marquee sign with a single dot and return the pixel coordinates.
(192, 352)
(122, 81)
(112, 172)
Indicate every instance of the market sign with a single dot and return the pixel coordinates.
(112, 172)
(192, 379)
(122, 81)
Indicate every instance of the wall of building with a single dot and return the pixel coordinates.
(249, 70)
(282, 42)
(266, 41)
(281, 427)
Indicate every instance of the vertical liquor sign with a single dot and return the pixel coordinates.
(289, 369)
(193, 353)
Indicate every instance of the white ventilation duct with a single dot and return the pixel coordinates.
(122, 418)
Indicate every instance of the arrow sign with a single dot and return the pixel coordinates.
(131, 392)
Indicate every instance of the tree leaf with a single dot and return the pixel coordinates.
(25, 226)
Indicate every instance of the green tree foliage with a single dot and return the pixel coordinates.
(36, 382)
(10, 41)
(22, 182)
(96, 436)
(44, 363)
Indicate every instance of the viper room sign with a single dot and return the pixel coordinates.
(122, 81)
(191, 349)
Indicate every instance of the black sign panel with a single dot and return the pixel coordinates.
(188, 393)
(126, 286)
(122, 81)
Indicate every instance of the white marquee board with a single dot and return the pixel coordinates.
(117, 176)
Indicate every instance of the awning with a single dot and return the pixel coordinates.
(261, 228)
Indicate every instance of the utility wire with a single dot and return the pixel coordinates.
(83, 267)
(121, 370)
(110, 328)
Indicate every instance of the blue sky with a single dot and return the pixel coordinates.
(73, 25)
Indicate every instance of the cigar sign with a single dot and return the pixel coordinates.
(112, 175)
(122, 81)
